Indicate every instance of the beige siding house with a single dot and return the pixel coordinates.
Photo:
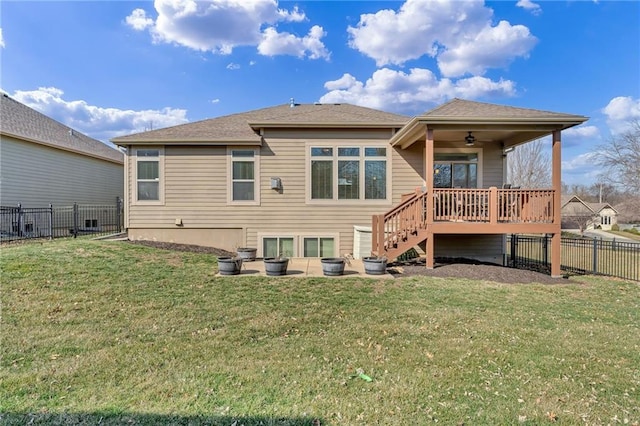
(306, 179)
(44, 162)
(579, 214)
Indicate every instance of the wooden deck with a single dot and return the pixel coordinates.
(462, 211)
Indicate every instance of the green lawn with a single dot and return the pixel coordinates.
(112, 333)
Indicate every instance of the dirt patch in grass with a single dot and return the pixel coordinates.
(445, 268)
(183, 247)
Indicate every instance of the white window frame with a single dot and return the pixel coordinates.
(161, 177)
(348, 143)
(256, 175)
(298, 241)
(278, 235)
(478, 151)
(334, 237)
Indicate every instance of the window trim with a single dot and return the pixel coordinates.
(161, 178)
(477, 151)
(256, 175)
(361, 144)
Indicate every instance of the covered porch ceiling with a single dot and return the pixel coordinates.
(489, 123)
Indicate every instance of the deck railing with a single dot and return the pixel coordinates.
(490, 206)
(493, 205)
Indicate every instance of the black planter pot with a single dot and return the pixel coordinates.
(274, 266)
(247, 254)
(229, 265)
(375, 265)
(332, 266)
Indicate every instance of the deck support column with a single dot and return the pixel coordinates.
(556, 180)
(428, 183)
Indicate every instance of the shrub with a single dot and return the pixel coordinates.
(632, 231)
(615, 227)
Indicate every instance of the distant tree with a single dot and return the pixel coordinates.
(529, 166)
(605, 192)
(621, 157)
(580, 220)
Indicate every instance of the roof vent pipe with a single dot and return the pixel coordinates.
(292, 103)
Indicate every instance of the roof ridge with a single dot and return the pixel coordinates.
(21, 121)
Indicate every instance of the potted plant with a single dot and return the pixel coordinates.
(332, 266)
(247, 254)
(275, 266)
(374, 265)
(229, 265)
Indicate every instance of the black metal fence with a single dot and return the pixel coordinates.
(20, 223)
(579, 255)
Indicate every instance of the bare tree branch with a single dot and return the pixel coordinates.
(621, 157)
(529, 166)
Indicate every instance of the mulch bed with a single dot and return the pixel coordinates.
(473, 270)
(444, 268)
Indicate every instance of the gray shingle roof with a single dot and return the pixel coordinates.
(20, 121)
(241, 126)
(463, 108)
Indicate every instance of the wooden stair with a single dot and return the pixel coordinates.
(401, 228)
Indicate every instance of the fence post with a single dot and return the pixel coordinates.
(20, 219)
(51, 221)
(118, 213)
(75, 220)
(595, 256)
(514, 248)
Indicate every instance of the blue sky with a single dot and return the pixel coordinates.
(119, 67)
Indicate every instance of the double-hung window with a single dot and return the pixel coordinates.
(243, 185)
(148, 175)
(348, 173)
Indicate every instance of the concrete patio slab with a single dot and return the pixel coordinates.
(305, 267)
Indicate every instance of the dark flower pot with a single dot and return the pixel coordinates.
(375, 265)
(332, 266)
(274, 266)
(247, 253)
(229, 265)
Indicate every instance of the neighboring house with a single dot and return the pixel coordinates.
(302, 180)
(44, 162)
(578, 214)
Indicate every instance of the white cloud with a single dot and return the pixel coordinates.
(492, 47)
(275, 43)
(580, 169)
(414, 91)
(1, 38)
(98, 122)
(233, 66)
(582, 132)
(620, 111)
(460, 34)
(532, 7)
(582, 160)
(219, 26)
(215, 101)
(138, 20)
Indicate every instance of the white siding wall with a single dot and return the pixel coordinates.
(35, 176)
